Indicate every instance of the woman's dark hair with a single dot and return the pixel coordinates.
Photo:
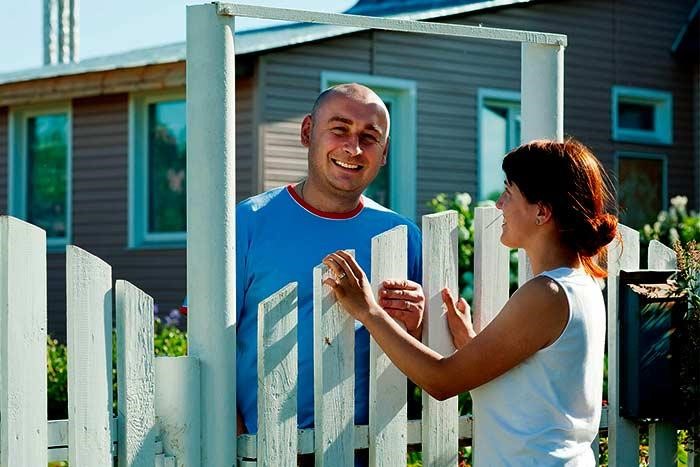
(567, 177)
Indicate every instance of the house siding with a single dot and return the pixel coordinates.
(605, 49)
(3, 158)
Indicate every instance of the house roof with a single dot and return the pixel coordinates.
(261, 40)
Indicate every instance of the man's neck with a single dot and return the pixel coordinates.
(325, 202)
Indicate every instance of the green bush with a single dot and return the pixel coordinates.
(676, 224)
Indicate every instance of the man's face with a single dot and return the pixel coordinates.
(347, 141)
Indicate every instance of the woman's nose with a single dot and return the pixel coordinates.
(499, 202)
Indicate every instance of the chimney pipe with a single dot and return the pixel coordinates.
(60, 31)
(50, 32)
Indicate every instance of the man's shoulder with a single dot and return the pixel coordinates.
(259, 202)
(377, 211)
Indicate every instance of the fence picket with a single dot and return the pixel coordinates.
(334, 377)
(491, 267)
(440, 262)
(662, 436)
(623, 438)
(23, 343)
(135, 376)
(387, 385)
(277, 378)
(89, 338)
(177, 408)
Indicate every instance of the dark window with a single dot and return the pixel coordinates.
(636, 116)
(166, 167)
(47, 172)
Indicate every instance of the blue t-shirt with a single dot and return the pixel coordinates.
(280, 239)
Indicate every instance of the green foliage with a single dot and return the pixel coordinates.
(676, 224)
(169, 340)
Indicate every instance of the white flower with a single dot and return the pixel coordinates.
(463, 200)
(679, 202)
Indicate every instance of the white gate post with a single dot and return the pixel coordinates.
(542, 106)
(211, 219)
(623, 435)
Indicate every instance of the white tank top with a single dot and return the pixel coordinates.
(546, 411)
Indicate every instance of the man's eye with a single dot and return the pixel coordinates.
(338, 130)
(370, 138)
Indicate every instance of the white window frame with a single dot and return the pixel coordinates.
(401, 94)
(501, 97)
(138, 235)
(662, 101)
(17, 165)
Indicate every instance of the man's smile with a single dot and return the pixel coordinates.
(345, 165)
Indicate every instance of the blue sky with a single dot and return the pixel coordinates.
(110, 26)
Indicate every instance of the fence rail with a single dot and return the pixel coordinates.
(158, 419)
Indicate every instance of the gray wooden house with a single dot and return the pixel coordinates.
(94, 151)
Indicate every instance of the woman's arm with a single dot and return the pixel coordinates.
(532, 319)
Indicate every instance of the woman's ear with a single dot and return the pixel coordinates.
(544, 213)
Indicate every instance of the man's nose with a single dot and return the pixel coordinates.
(352, 146)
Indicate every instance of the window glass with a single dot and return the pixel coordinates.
(166, 167)
(47, 171)
(640, 191)
(380, 188)
(636, 116)
(500, 132)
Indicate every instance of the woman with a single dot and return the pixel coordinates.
(536, 371)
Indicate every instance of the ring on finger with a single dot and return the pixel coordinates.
(340, 276)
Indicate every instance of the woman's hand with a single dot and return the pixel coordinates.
(351, 287)
(459, 319)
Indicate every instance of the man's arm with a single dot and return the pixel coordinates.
(240, 426)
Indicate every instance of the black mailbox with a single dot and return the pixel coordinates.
(650, 346)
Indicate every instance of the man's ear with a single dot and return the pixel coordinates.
(305, 133)
(385, 155)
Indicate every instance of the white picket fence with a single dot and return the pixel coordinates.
(159, 398)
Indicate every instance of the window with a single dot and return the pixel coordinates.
(40, 171)
(641, 190)
(499, 132)
(642, 115)
(157, 177)
(395, 185)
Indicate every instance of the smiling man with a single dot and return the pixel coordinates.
(284, 233)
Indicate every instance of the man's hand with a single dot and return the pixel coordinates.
(404, 300)
(459, 319)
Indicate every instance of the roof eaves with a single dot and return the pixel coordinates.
(680, 37)
(248, 42)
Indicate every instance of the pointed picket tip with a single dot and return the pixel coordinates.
(660, 256)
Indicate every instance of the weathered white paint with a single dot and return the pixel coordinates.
(662, 436)
(524, 267)
(211, 196)
(277, 378)
(623, 435)
(177, 398)
(334, 376)
(22, 343)
(89, 339)
(542, 91)
(135, 376)
(440, 263)
(388, 24)
(491, 267)
(387, 385)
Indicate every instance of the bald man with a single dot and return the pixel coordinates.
(284, 233)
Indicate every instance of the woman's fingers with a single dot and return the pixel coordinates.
(448, 301)
(351, 264)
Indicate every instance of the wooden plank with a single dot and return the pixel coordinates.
(178, 409)
(662, 436)
(334, 377)
(89, 338)
(623, 435)
(491, 267)
(22, 343)
(277, 378)
(387, 385)
(135, 376)
(440, 263)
